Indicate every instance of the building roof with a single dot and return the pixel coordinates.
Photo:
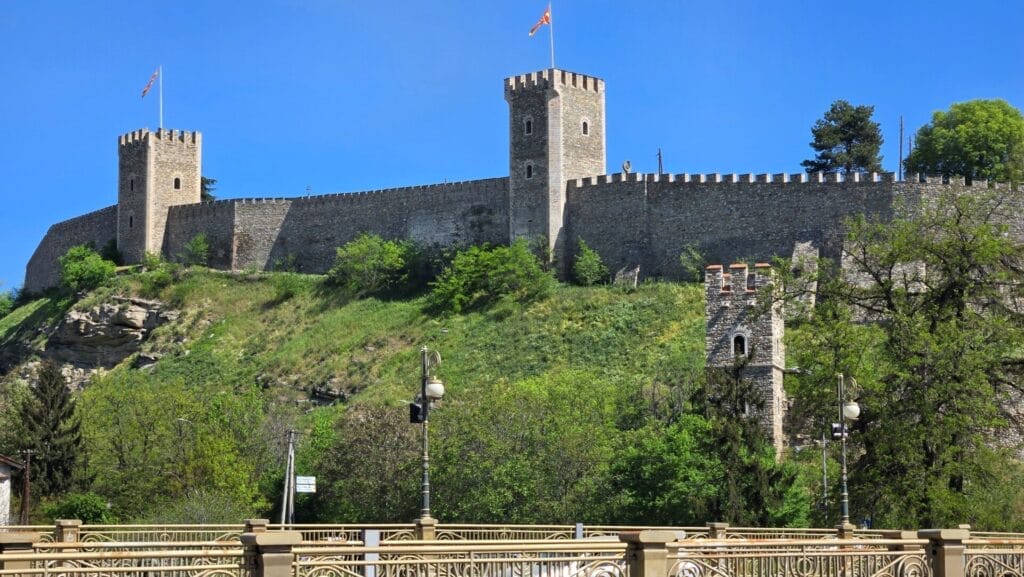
(11, 462)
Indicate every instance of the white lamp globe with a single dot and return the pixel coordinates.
(435, 389)
(851, 410)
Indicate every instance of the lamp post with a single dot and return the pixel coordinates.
(848, 411)
(431, 391)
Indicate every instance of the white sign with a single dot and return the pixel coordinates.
(305, 484)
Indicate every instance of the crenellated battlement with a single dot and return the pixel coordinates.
(738, 280)
(551, 78)
(143, 136)
(780, 178)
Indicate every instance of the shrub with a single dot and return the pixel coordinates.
(7, 300)
(693, 263)
(86, 507)
(197, 251)
(152, 260)
(481, 276)
(110, 252)
(371, 265)
(588, 269)
(82, 268)
(286, 285)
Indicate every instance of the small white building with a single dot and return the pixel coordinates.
(7, 466)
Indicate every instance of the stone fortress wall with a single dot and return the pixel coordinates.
(557, 144)
(96, 228)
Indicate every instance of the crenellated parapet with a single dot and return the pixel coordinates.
(554, 78)
(143, 136)
(748, 178)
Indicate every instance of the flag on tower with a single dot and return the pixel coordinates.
(544, 19)
(150, 83)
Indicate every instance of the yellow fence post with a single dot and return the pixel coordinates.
(717, 530)
(946, 551)
(269, 554)
(67, 531)
(16, 543)
(647, 552)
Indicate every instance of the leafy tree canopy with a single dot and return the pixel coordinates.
(846, 140)
(937, 379)
(978, 139)
(82, 268)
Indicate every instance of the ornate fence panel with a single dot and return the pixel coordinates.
(159, 533)
(206, 563)
(998, 557)
(466, 559)
(455, 532)
(792, 558)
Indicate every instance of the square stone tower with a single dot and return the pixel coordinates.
(556, 134)
(734, 329)
(156, 170)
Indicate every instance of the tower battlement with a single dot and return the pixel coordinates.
(553, 77)
(143, 135)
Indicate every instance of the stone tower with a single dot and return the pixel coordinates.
(735, 329)
(156, 170)
(556, 134)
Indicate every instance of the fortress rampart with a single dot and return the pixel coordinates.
(556, 191)
(98, 228)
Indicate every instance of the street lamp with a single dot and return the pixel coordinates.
(848, 411)
(431, 391)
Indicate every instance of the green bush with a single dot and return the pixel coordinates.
(286, 285)
(7, 299)
(82, 268)
(588, 268)
(371, 265)
(481, 276)
(110, 252)
(152, 260)
(197, 251)
(693, 263)
(86, 507)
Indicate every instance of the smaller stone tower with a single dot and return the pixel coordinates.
(556, 134)
(156, 170)
(735, 329)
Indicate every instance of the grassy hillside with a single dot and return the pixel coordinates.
(244, 362)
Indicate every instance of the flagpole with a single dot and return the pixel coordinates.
(551, 34)
(161, 77)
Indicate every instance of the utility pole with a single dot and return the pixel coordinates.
(26, 487)
(661, 167)
(288, 496)
(900, 169)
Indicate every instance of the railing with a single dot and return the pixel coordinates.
(800, 558)
(994, 557)
(159, 533)
(551, 558)
(205, 563)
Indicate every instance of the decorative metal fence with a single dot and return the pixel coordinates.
(994, 557)
(467, 559)
(798, 558)
(205, 563)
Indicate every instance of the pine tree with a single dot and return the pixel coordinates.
(52, 431)
(846, 139)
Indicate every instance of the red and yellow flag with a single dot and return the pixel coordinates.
(544, 19)
(150, 83)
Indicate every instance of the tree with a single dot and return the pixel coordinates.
(588, 267)
(847, 139)
(943, 372)
(481, 276)
(978, 139)
(206, 187)
(52, 431)
(371, 265)
(197, 251)
(82, 268)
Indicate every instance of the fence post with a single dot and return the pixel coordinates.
(896, 535)
(580, 531)
(426, 528)
(845, 530)
(269, 554)
(371, 538)
(946, 551)
(16, 543)
(256, 525)
(647, 552)
(717, 530)
(67, 531)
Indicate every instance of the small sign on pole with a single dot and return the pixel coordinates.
(305, 484)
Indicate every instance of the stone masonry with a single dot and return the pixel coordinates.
(556, 192)
(739, 334)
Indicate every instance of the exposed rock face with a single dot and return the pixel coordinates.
(105, 335)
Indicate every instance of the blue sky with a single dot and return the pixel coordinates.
(343, 96)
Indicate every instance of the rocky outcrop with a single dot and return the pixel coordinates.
(105, 335)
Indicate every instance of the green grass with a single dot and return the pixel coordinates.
(235, 329)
